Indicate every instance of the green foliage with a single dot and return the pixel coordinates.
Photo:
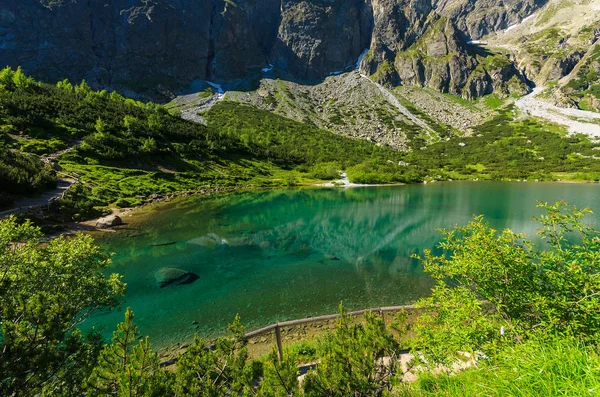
(507, 148)
(127, 367)
(24, 174)
(280, 377)
(15, 79)
(45, 293)
(77, 204)
(219, 372)
(352, 360)
(326, 171)
(457, 323)
(378, 172)
(554, 290)
(493, 101)
(288, 142)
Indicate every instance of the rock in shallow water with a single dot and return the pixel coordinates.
(173, 276)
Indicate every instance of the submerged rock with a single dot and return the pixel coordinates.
(173, 276)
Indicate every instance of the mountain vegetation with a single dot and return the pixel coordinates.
(289, 93)
(121, 152)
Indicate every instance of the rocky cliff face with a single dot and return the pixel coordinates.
(440, 59)
(138, 44)
(162, 45)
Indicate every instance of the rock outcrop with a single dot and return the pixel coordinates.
(157, 47)
(109, 221)
(442, 60)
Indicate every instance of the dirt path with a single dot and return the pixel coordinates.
(54, 156)
(25, 204)
(576, 120)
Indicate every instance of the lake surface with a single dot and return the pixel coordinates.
(284, 254)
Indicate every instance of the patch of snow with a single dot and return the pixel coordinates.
(356, 66)
(476, 42)
(268, 69)
(527, 18)
(511, 27)
(216, 86)
(360, 58)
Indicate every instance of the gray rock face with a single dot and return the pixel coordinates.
(316, 38)
(476, 18)
(114, 43)
(440, 59)
(156, 47)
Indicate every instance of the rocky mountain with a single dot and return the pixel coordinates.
(160, 46)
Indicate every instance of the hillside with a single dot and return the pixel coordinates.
(123, 151)
(558, 47)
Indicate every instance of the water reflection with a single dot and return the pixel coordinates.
(277, 255)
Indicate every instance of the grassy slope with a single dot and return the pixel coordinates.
(509, 147)
(125, 151)
(559, 367)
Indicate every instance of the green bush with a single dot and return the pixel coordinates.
(382, 173)
(325, 171)
(24, 174)
(47, 290)
(553, 289)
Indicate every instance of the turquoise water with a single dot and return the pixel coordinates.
(284, 254)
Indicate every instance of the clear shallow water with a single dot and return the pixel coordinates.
(285, 254)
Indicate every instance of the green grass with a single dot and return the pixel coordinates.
(559, 367)
(493, 101)
(131, 150)
(507, 148)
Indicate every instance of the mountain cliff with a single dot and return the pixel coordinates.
(159, 46)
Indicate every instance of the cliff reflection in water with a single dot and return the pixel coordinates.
(284, 254)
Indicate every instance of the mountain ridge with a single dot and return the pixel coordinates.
(157, 47)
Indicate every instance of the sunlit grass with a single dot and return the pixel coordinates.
(558, 367)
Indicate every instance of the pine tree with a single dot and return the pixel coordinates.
(124, 367)
(21, 80)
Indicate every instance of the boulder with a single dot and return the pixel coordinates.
(168, 276)
(109, 221)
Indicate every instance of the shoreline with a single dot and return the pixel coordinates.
(305, 330)
(73, 227)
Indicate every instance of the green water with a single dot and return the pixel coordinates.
(285, 254)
